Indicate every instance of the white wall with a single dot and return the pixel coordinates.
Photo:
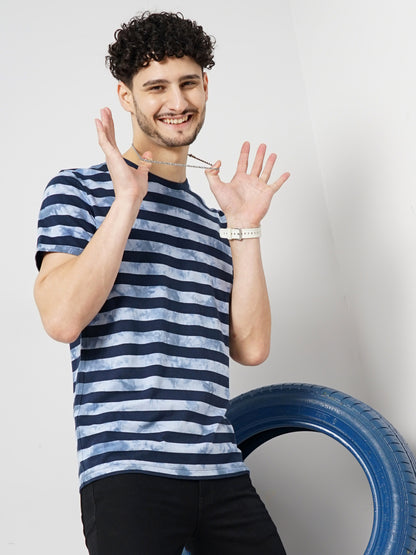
(358, 65)
(337, 243)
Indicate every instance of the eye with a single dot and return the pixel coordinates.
(156, 88)
(189, 84)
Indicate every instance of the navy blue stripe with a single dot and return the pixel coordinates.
(162, 302)
(67, 221)
(151, 393)
(150, 371)
(181, 220)
(137, 349)
(179, 242)
(102, 170)
(74, 367)
(144, 257)
(57, 199)
(71, 181)
(64, 240)
(99, 177)
(143, 326)
(161, 457)
(177, 222)
(160, 198)
(150, 416)
(168, 437)
(175, 284)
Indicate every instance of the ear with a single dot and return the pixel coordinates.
(125, 96)
(205, 84)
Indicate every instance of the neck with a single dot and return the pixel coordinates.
(176, 155)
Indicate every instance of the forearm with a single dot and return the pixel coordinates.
(245, 201)
(250, 318)
(70, 294)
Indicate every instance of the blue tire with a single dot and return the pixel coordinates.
(386, 459)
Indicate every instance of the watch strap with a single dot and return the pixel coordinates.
(240, 233)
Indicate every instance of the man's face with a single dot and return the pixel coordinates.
(169, 100)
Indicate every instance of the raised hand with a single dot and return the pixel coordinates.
(128, 182)
(246, 199)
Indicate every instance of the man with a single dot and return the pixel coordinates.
(153, 292)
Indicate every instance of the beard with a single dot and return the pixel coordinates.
(149, 128)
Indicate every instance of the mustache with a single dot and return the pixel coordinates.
(187, 112)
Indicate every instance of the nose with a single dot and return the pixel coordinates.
(176, 101)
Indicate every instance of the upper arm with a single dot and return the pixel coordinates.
(52, 260)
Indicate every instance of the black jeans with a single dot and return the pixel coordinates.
(139, 514)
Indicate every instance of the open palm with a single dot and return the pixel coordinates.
(246, 199)
(127, 180)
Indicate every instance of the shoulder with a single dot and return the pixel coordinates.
(84, 183)
(81, 177)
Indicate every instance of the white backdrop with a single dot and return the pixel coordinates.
(330, 87)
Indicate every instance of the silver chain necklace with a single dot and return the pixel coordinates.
(208, 166)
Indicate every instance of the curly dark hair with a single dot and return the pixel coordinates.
(154, 36)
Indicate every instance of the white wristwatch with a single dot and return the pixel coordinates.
(239, 234)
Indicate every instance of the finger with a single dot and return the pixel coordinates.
(109, 148)
(277, 184)
(111, 124)
(145, 163)
(108, 124)
(267, 171)
(102, 136)
(258, 160)
(242, 164)
(144, 157)
(215, 167)
(212, 174)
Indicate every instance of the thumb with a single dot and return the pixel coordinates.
(277, 184)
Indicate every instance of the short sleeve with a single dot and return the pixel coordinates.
(66, 220)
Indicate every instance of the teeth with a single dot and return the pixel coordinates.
(177, 121)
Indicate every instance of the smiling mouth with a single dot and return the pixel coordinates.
(176, 120)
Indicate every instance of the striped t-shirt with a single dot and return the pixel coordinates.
(151, 371)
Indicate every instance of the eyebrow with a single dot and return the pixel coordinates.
(153, 82)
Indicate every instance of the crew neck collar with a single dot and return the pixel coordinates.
(162, 180)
